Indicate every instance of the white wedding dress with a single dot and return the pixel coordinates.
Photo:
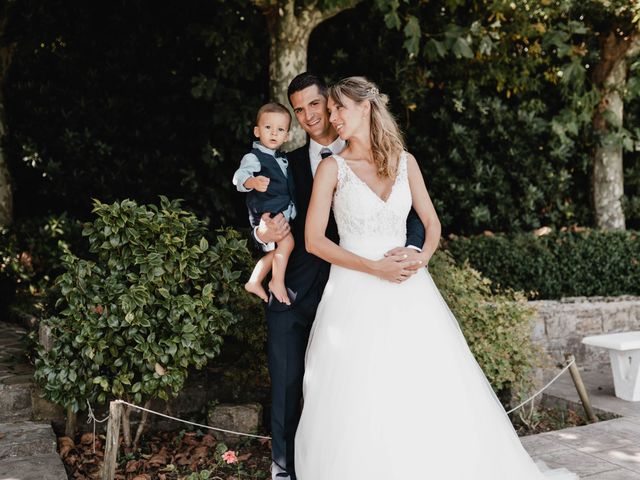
(391, 389)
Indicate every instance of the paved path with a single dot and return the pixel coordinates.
(602, 451)
(608, 450)
(27, 448)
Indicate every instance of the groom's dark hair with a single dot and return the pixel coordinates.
(304, 80)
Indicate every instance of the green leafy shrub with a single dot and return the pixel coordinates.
(155, 299)
(560, 264)
(495, 325)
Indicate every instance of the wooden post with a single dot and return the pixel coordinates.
(580, 388)
(112, 441)
(70, 423)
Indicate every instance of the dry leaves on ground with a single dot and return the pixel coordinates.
(165, 456)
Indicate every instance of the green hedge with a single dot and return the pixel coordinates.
(556, 265)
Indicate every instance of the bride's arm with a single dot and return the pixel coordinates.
(424, 208)
(394, 268)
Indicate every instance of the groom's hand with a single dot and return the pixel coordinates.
(272, 229)
(409, 254)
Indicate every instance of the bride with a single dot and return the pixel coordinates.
(391, 389)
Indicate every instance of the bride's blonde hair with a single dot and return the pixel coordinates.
(386, 138)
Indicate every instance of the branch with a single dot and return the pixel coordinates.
(141, 425)
(613, 50)
(331, 12)
(311, 16)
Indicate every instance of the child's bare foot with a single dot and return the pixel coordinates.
(256, 289)
(279, 291)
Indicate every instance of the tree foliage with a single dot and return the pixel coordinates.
(496, 101)
(122, 99)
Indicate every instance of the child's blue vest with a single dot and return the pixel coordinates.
(279, 193)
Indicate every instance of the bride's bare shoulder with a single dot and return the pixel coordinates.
(327, 169)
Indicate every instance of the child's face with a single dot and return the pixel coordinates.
(272, 129)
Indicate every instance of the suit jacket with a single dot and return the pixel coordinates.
(304, 270)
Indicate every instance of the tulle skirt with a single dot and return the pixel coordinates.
(392, 391)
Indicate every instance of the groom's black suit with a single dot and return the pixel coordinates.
(289, 326)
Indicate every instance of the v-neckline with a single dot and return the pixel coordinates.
(393, 186)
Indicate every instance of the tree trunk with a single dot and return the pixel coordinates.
(290, 29)
(287, 58)
(6, 195)
(610, 77)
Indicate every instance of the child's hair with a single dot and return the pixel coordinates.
(273, 107)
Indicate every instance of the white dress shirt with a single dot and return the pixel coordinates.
(314, 152)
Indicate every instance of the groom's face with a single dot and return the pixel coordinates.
(310, 108)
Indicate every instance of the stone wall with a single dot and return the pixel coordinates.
(560, 325)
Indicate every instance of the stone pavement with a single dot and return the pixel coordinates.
(27, 448)
(607, 450)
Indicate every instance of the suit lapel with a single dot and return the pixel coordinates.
(303, 179)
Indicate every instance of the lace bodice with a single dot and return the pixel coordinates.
(366, 223)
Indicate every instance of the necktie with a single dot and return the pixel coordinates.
(325, 152)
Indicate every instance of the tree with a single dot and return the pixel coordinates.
(578, 34)
(619, 45)
(290, 25)
(601, 37)
(6, 51)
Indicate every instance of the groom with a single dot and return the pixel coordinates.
(306, 275)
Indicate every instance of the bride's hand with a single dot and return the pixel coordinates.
(395, 268)
(410, 254)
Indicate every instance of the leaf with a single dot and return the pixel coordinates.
(65, 445)
(204, 245)
(434, 49)
(461, 48)
(486, 45)
(132, 466)
(412, 35)
(160, 370)
(159, 459)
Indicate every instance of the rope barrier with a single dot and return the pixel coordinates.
(191, 423)
(93, 419)
(543, 388)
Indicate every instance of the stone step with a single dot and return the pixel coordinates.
(38, 467)
(15, 399)
(25, 439)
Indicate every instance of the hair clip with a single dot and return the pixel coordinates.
(373, 91)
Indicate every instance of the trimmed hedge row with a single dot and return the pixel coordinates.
(558, 264)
